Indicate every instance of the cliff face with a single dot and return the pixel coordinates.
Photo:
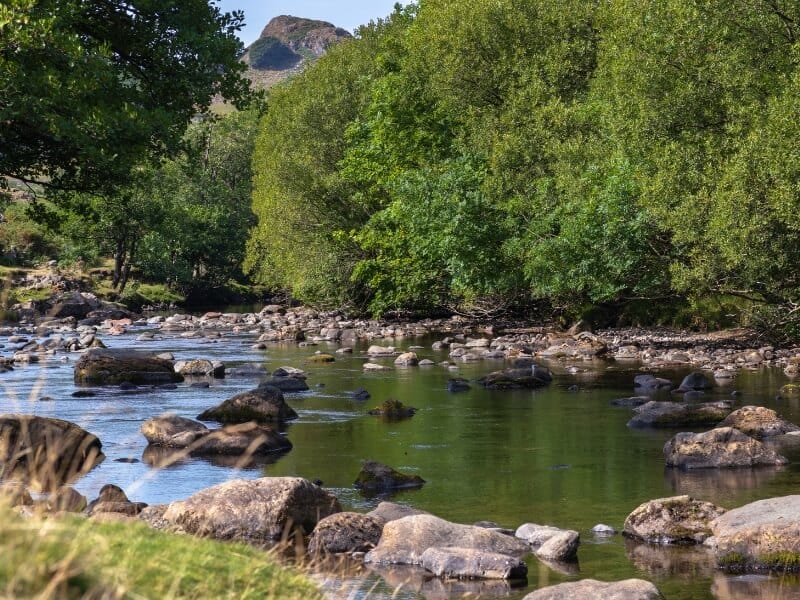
(285, 44)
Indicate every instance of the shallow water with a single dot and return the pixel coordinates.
(550, 456)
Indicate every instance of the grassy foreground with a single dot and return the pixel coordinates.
(70, 557)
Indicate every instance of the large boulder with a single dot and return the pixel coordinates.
(405, 540)
(46, 452)
(172, 431)
(257, 511)
(678, 414)
(73, 304)
(722, 447)
(675, 520)
(468, 563)
(103, 366)
(758, 422)
(377, 477)
(762, 535)
(263, 405)
(591, 589)
(550, 543)
(507, 379)
(345, 532)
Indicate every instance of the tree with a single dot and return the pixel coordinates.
(89, 89)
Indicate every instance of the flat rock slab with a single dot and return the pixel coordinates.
(258, 511)
(675, 520)
(678, 414)
(405, 540)
(103, 366)
(762, 535)
(467, 563)
(758, 422)
(721, 447)
(46, 452)
(591, 589)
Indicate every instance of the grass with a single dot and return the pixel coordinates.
(72, 557)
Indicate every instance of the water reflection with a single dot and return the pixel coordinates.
(164, 458)
(717, 483)
(422, 582)
(683, 562)
(756, 587)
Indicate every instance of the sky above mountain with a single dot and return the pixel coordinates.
(347, 14)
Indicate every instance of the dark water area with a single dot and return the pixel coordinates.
(551, 456)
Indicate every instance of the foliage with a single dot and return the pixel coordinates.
(91, 89)
(270, 53)
(70, 557)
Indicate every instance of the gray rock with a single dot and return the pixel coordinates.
(172, 431)
(405, 540)
(345, 532)
(722, 447)
(550, 543)
(758, 422)
(695, 381)
(256, 511)
(457, 384)
(591, 589)
(114, 366)
(200, 368)
(603, 529)
(286, 384)
(264, 404)
(651, 382)
(467, 563)
(389, 511)
(673, 414)
(762, 535)
(517, 378)
(375, 476)
(407, 359)
(675, 520)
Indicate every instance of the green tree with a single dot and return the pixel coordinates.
(91, 88)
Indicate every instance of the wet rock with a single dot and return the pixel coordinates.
(631, 402)
(389, 511)
(381, 351)
(172, 431)
(263, 405)
(293, 372)
(361, 394)
(695, 381)
(603, 529)
(405, 540)
(673, 414)
(550, 543)
(591, 589)
(375, 367)
(467, 563)
(286, 384)
(758, 422)
(517, 378)
(407, 359)
(113, 367)
(457, 384)
(675, 520)
(651, 382)
(321, 357)
(345, 532)
(722, 447)
(200, 368)
(393, 409)
(376, 477)
(248, 370)
(46, 452)
(762, 535)
(257, 511)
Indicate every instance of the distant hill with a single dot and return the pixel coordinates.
(285, 44)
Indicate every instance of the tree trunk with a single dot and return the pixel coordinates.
(119, 260)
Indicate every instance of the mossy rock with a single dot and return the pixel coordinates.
(321, 358)
(393, 409)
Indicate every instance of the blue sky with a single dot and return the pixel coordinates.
(347, 14)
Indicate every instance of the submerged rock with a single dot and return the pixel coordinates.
(651, 382)
(264, 404)
(468, 563)
(507, 379)
(722, 447)
(673, 414)
(114, 366)
(758, 422)
(695, 381)
(762, 535)
(591, 589)
(376, 477)
(286, 384)
(457, 384)
(675, 520)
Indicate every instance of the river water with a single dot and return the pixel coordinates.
(551, 456)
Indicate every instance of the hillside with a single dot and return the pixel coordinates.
(285, 44)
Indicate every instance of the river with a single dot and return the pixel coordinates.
(555, 456)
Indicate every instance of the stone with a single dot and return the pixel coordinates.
(651, 382)
(631, 402)
(321, 357)
(289, 372)
(603, 529)
(550, 543)
(66, 499)
(256, 511)
(789, 391)
(405, 540)
(675, 520)
(722, 447)
(517, 378)
(244, 439)
(375, 367)
(407, 359)
(360, 394)
(760, 536)
(591, 589)
(467, 563)
(375, 476)
(264, 404)
(200, 368)
(393, 409)
(172, 431)
(457, 384)
(379, 351)
(130, 509)
(286, 384)
(674, 414)
(114, 366)
(390, 511)
(758, 422)
(695, 381)
(46, 452)
(345, 532)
